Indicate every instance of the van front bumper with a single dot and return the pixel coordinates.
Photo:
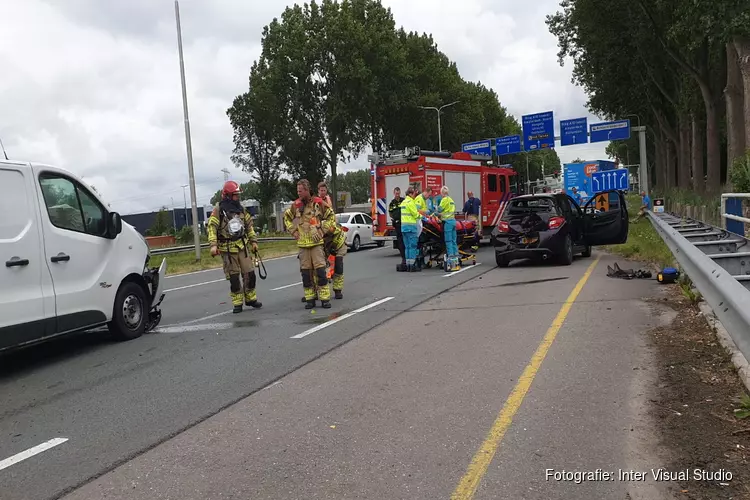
(154, 278)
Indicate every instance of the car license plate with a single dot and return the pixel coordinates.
(527, 241)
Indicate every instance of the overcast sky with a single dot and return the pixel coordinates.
(94, 85)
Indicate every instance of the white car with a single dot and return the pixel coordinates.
(358, 229)
(70, 263)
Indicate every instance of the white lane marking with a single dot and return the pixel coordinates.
(220, 269)
(286, 286)
(461, 270)
(20, 457)
(194, 284)
(204, 318)
(340, 318)
(193, 328)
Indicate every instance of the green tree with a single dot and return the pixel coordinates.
(162, 224)
(255, 150)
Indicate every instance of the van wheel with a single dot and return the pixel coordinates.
(130, 312)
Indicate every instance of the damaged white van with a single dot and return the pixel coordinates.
(67, 263)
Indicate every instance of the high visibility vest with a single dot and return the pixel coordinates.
(420, 203)
(409, 213)
(447, 208)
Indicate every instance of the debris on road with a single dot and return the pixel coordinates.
(696, 375)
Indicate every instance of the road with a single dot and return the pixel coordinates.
(470, 384)
(113, 401)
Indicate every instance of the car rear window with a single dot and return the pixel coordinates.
(342, 218)
(531, 205)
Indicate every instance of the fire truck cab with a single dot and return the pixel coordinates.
(461, 172)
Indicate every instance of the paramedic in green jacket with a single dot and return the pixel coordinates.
(447, 212)
(409, 217)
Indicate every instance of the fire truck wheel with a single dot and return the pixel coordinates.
(381, 243)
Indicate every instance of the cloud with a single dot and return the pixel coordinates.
(95, 86)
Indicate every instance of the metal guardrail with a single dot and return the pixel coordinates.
(718, 264)
(187, 248)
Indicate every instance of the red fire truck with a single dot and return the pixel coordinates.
(461, 172)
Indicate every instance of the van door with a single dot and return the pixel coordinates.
(27, 299)
(77, 252)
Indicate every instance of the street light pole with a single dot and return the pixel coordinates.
(191, 175)
(440, 134)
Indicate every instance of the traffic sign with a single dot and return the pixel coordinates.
(602, 203)
(508, 145)
(573, 131)
(610, 131)
(658, 205)
(610, 179)
(478, 148)
(538, 131)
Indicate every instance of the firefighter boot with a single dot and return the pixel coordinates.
(235, 292)
(338, 278)
(251, 297)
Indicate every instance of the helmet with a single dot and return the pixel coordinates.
(230, 188)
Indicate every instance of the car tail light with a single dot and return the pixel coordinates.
(503, 226)
(555, 222)
(344, 228)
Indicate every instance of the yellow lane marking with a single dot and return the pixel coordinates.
(481, 461)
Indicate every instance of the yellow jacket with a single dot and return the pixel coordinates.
(421, 204)
(409, 212)
(447, 208)
(311, 220)
(218, 232)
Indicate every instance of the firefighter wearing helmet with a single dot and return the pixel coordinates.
(230, 230)
(308, 220)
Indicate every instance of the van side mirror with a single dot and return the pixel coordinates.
(114, 225)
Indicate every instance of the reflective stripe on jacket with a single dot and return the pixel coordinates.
(409, 212)
(218, 233)
(447, 208)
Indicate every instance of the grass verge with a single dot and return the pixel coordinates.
(644, 243)
(184, 262)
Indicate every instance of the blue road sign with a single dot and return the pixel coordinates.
(610, 131)
(573, 131)
(478, 148)
(508, 145)
(607, 180)
(538, 131)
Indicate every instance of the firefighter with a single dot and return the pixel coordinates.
(335, 245)
(307, 220)
(409, 217)
(394, 210)
(230, 229)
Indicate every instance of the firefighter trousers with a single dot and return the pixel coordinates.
(400, 243)
(312, 263)
(236, 265)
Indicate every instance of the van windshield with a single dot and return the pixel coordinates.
(536, 205)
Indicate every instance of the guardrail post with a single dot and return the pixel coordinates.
(733, 206)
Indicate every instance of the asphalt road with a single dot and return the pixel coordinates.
(112, 401)
(490, 384)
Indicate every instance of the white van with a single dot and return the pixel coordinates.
(69, 263)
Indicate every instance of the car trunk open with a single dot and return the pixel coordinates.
(527, 218)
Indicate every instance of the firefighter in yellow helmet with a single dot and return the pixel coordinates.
(308, 220)
(230, 230)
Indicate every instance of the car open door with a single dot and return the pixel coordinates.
(606, 219)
